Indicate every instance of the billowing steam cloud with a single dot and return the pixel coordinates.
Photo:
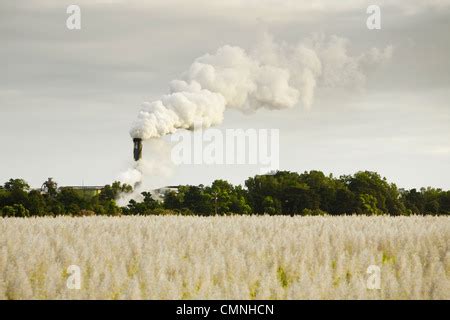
(158, 163)
(273, 76)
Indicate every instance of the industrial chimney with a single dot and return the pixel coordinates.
(137, 149)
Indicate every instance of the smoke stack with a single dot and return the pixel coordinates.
(137, 149)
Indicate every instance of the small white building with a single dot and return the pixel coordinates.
(160, 193)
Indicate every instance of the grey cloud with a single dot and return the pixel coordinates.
(67, 98)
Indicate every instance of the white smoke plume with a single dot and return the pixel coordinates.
(132, 176)
(155, 165)
(273, 76)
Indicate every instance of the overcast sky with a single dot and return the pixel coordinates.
(68, 97)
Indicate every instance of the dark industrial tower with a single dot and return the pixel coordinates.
(137, 149)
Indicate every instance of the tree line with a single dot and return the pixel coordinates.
(280, 193)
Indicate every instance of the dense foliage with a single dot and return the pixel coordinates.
(17, 200)
(286, 193)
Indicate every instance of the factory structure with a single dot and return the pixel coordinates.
(92, 191)
(85, 190)
(137, 151)
(160, 193)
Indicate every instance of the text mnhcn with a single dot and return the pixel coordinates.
(226, 309)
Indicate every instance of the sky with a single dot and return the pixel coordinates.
(69, 97)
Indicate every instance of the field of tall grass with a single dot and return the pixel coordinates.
(235, 257)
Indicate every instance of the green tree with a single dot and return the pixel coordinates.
(17, 192)
(71, 200)
(238, 201)
(173, 201)
(145, 207)
(21, 211)
(36, 203)
(197, 200)
(17, 185)
(50, 187)
(444, 202)
(370, 183)
(112, 192)
(271, 206)
(368, 204)
(16, 210)
(8, 211)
